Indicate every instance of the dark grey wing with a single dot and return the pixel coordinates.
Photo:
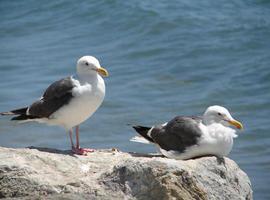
(57, 95)
(178, 134)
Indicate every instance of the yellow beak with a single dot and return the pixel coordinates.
(236, 123)
(103, 72)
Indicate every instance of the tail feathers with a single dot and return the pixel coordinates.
(140, 140)
(143, 131)
(21, 111)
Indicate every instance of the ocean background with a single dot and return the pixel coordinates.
(165, 58)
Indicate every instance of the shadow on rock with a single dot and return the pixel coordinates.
(51, 150)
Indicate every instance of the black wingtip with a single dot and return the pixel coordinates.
(20, 111)
(138, 127)
(23, 117)
(142, 130)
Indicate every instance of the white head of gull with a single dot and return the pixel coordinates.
(219, 114)
(89, 67)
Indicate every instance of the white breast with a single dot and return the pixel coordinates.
(87, 98)
(216, 140)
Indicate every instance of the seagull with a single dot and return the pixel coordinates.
(186, 137)
(70, 101)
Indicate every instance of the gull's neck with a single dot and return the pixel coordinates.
(207, 120)
(91, 78)
(215, 127)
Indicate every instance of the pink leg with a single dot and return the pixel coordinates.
(70, 137)
(77, 138)
(75, 150)
(78, 149)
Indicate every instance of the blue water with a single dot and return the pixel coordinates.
(165, 58)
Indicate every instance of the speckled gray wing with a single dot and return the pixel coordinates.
(178, 134)
(57, 95)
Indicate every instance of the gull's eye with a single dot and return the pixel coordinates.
(219, 114)
(86, 63)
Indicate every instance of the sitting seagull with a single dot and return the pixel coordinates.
(69, 101)
(188, 137)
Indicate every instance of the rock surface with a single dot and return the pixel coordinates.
(40, 173)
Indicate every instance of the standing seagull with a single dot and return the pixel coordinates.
(188, 137)
(69, 101)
